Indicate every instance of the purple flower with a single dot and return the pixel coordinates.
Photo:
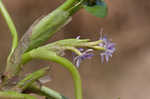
(85, 55)
(109, 49)
(78, 37)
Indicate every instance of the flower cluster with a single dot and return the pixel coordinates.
(109, 48)
(107, 45)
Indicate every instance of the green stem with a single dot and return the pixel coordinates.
(51, 56)
(11, 26)
(45, 91)
(14, 95)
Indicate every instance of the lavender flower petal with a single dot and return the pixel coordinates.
(78, 37)
(110, 49)
(85, 55)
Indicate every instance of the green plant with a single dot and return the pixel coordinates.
(29, 47)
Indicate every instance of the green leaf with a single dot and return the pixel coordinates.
(97, 10)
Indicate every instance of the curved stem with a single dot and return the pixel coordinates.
(51, 56)
(11, 28)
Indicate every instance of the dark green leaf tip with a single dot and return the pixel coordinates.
(97, 8)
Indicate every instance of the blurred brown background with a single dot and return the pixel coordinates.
(128, 24)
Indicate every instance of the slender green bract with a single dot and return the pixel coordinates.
(40, 53)
(11, 28)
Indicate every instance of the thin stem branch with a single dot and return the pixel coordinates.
(11, 26)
